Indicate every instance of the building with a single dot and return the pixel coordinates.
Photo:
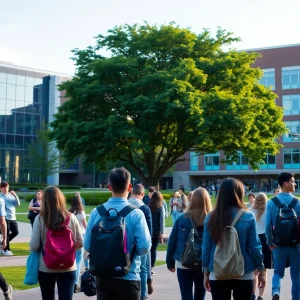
(281, 66)
(27, 98)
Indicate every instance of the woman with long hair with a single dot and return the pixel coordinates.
(158, 224)
(229, 203)
(54, 216)
(78, 210)
(177, 206)
(35, 206)
(199, 207)
(259, 211)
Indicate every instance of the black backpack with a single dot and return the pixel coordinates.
(88, 284)
(191, 257)
(285, 231)
(109, 256)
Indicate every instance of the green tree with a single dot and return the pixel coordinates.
(160, 91)
(43, 159)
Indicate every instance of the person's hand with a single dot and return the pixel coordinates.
(172, 270)
(13, 193)
(206, 282)
(272, 247)
(3, 244)
(161, 238)
(261, 282)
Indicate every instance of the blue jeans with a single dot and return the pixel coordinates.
(187, 278)
(280, 256)
(79, 259)
(65, 285)
(145, 271)
(175, 215)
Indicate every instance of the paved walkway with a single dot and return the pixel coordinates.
(165, 282)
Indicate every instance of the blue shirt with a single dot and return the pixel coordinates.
(2, 208)
(272, 210)
(136, 229)
(10, 205)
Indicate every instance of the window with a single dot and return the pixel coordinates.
(240, 164)
(212, 161)
(2, 90)
(291, 158)
(3, 77)
(293, 134)
(193, 161)
(269, 162)
(290, 78)
(291, 104)
(268, 79)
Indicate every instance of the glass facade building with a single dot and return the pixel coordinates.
(27, 98)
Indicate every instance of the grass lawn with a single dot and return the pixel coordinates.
(20, 249)
(159, 263)
(15, 277)
(162, 247)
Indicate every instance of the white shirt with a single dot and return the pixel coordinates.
(260, 224)
(80, 217)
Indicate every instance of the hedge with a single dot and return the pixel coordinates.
(34, 187)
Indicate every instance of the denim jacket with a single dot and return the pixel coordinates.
(249, 243)
(178, 239)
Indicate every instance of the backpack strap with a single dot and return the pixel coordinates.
(238, 215)
(293, 202)
(277, 202)
(101, 210)
(193, 223)
(126, 210)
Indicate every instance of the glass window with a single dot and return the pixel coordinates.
(10, 123)
(2, 90)
(2, 153)
(20, 123)
(12, 78)
(10, 141)
(11, 91)
(268, 78)
(10, 105)
(193, 161)
(29, 81)
(293, 134)
(291, 158)
(20, 94)
(2, 124)
(38, 81)
(290, 77)
(19, 142)
(291, 104)
(240, 164)
(212, 161)
(2, 77)
(19, 106)
(2, 140)
(20, 80)
(28, 94)
(28, 140)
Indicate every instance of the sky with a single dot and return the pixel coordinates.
(41, 34)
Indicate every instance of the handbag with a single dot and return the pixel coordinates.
(32, 268)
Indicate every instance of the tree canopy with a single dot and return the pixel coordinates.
(146, 94)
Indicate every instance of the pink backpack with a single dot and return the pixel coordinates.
(59, 252)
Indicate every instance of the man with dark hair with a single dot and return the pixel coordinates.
(138, 238)
(147, 198)
(282, 254)
(137, 194)
(11, 200)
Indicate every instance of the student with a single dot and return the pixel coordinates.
(158, 224)
(176, 206)
(282, 254)
(11, 201)
(259, 211)
(147, 198)
(127, 287)
(82, 200)
(229, 203)
(78, 210)
(35, 206)
(277, 191)
(6, 289)
(137, 194)
(251, 198)
(199, 207)
(53, 215)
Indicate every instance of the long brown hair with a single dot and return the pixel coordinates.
(76, 205)
(54, 210)
(260, 204)
(231, 194)
(156, 201)
(199, 207)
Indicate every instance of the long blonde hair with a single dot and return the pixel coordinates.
(260, 204)
(199, 207)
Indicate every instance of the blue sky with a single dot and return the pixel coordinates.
(41, 34)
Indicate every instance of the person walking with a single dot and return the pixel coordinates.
(78, 210)
(137, 194)
(53, 217)
(259, 211)
(137, 233)
(189, 279)
(11, 201)
(158, 224)
(282, 254)
(35, 206)
(176, 206)
(228, 206)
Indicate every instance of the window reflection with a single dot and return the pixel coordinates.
(20, 94)
(2, 91)
(19, 142)
(11, 78)
(20, 80)
(28, 94)
(20, 124)
(29, 81)
(10, 104)
(11, 91)
(2, 77)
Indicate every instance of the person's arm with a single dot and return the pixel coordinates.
(78, 234)
(269, 225)
(91, 222)
(141, 234)
(206, 249)
(148, 216)
(162, 221)
(32, 208)
(184, 201)
(3, 232)
(172, 248)
(17, 200)
(35, 240)
(83, 219)
(166, 209)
